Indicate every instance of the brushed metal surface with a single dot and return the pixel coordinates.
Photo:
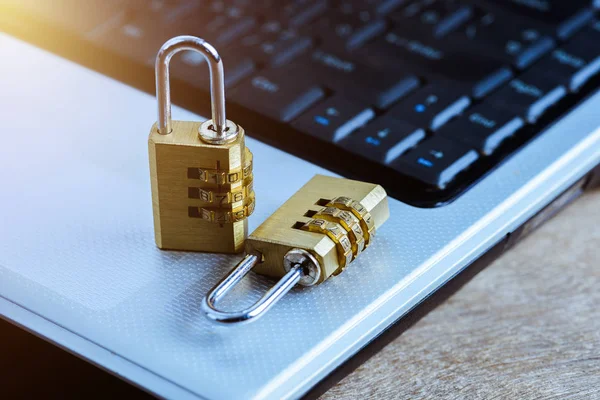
(78, 262)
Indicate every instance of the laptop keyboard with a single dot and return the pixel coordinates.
(422, 96)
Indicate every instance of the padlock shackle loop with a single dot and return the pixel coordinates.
(217, 81)
(272, 296)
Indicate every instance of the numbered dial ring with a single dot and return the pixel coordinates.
(338, 234)
(222, 196)
(366, 219)
(222, 176)
(350, 223)
(222, 216)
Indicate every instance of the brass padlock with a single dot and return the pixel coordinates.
(201, 173)
(321, 229)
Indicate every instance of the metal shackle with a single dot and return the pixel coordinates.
(300, 266)
(222, 130)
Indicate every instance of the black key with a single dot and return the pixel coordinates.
(308, 14)
(438, 18)
(225, 7)
(355, 80)
(432, 106)
(217, 22)
(591, 33)
(483, 128)
(168, 11)
(384, 139)
(137, 38)
(435, 59)
(253, 6)
(491, 82)
(566, 15)
(436, 161)
(338, 31)
(274, 94)
(572, 25)
(295, 13)
(219, 29)
(529, 95)
(507, 38)
(140, 35)
(573, 64)
(454, 19)
(227, 29)
(334, 119)
(192, 68)
(271, 45)
(523, 56)
(368, 9)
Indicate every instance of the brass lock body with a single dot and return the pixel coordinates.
(202, 193)
(200, 173)
(333, 219)
(314, 235)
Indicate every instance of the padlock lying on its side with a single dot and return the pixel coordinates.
(321, 229)
(201, 173)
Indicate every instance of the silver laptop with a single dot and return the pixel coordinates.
(519, 130)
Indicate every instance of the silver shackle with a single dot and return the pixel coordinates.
(217, 130)
(301, 266)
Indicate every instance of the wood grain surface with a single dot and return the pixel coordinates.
(526, 327)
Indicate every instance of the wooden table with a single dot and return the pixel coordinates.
(526, 327)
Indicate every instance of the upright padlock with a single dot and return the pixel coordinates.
(321, 229)
(201, 173)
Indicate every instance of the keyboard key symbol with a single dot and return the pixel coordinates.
(319, 119)
(332, 112)
(437, 154)
(530, 35)
(268, 48)
(425, 162)
(431, 99)
(383, 133)
(371, 140)
(513, 47)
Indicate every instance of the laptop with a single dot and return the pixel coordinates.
(480, 118)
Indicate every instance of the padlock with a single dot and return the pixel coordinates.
(314, 235)
(201, 173)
